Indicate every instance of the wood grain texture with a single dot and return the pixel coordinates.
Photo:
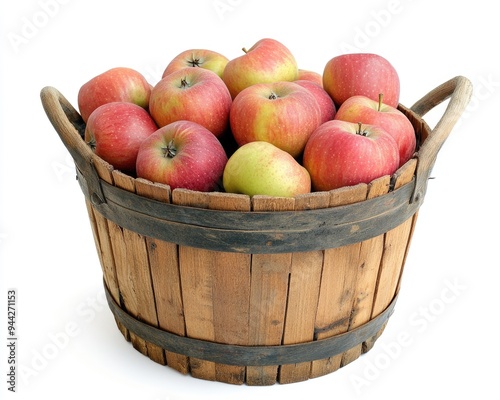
(268, 295)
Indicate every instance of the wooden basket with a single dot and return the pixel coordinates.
(254, 290)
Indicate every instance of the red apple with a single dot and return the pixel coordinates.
(364, 74)
(326, 104)
(193, 94)
(308, 75)
(115, 132)
(282, 113)
(367, 111)
(116, 84)
(266, 61)
(182, 154)
(341, 153)
(202, 58)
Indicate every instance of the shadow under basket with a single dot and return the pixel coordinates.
(257, 290)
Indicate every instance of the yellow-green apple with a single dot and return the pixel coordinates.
(115, 132)
(341, 153)
(364, 74)
(116, 84)
(325, 102)
(282, 113)
(193, 94)
(367, 111)
(261, 168)
(268, 60)
(182, 154)
(308, 75)
(202, 58)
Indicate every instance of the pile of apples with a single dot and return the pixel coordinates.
(255, 124)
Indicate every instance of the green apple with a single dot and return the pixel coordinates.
(261, 168)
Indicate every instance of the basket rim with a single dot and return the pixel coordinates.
(261, 232)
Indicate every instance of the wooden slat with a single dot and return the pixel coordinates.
(340, 270)
(164, 266)
(395, 247)
(108, 257)
(230, 292)
(368, 268)
(135, 277)
(303, 295)
(396, 244)
(196, 268)
(268, 295)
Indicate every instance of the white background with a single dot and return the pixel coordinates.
(46, 246)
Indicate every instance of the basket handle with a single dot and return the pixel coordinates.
(459, 91)
(70, 126)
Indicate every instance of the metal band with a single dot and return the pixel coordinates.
(254, 232)
(250, 355)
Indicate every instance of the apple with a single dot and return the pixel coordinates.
(267, 61)
(364, 74)
(193, 94)
(202, 58)
(367, 111)
(114, 85)
(308, 75)
(341, 153)
(261, 168)
(282, 113)
(325, 102)
(182, 154)
(115, 132)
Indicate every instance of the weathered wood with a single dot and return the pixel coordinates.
(164, 267)
(340, 269)
(303, 294)
(368, 267)
(231, 292)
(396, 244)
(268, 295)
(259, 231)
(459, 91)
(197, 274)
(108, 264)
(251, 354)
(135, 275)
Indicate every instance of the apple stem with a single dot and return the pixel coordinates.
(195, 62)
(273, 96)
(360, 130)
(244, 50)
(380, 99)
(170, 151)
